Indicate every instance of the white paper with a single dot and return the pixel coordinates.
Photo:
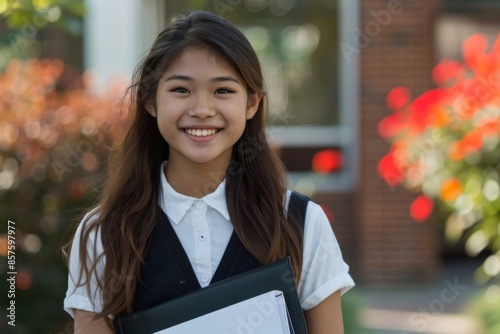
(283, 311)
(263, 314)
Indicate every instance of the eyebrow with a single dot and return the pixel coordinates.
(187, 78)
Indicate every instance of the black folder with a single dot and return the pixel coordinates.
(274, 276)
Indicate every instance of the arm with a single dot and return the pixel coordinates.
(326, 317)
(85, 323)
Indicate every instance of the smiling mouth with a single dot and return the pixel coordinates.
(201, 132)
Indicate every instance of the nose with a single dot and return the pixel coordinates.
(202, 106)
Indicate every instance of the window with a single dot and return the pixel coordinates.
(460, 20)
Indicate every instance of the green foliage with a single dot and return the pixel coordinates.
(24, 19)
(21, 13)
(485, 309)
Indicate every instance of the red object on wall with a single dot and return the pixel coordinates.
(327, 161)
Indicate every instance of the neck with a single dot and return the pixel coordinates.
(195, 180)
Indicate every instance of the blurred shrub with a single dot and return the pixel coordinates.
(445, 145)
(31, 14)
(53, 142)
(484, 308)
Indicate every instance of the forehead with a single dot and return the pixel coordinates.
(200, 63)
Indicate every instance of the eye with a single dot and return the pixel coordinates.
(224, 91)
(181, 90)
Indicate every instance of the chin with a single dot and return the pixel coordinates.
(203, 160)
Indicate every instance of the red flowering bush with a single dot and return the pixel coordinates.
(445, 144)
(54, 136)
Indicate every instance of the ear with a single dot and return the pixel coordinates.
(150, 108)
(253, 104)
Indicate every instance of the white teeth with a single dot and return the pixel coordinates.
(201, 133)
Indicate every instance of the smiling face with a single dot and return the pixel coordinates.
(201, 108)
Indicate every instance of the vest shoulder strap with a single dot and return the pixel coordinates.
(297, 206)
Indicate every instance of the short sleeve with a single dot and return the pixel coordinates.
(323, 268)
(77, 296)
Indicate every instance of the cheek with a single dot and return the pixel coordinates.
(239, 124)
(238, 109)
(167, 114)
(236, 115)
(167, 123)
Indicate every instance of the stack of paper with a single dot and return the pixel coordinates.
(266, 313)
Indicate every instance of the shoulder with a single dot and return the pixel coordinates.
(297, 203)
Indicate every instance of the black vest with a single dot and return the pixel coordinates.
(167, 272)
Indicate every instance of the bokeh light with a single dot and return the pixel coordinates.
(327, 161)
(492, 294)
(23, 280)
(388, 169)
(491, 190)
(450, 190)
(492, 265)
(3, 245)
(476, 243)
(90, 162)
(421, 208)
(398, 97)
(32, 243)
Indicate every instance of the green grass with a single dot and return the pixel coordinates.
(351, 307)
(485, 308)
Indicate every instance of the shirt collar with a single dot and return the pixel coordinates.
(176, 205)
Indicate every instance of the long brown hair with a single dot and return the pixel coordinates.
(128, 207)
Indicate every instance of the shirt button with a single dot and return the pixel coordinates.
(203, 236)
(204, 278)
(200, 205)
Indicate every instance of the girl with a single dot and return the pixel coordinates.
(193, 178)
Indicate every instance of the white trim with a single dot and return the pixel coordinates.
(117, 33)
(152, 20)
(306, 136)
(349, 90)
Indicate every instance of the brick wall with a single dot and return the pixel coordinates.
(392, 248)
(342, 209)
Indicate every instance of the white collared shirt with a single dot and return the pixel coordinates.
(204, 229)
(202, 226)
